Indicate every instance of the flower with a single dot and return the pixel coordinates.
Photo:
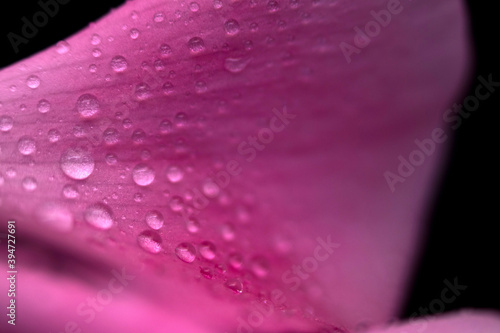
(219, 166)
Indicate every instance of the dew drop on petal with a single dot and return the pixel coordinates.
(77, 164)
(232, 27)
(87, 105)
(259, 267)
(206, 272)
(142, 91)
(192, 225)
(143, 175)
(174, 174)
(95, 39)
(176, 204)
(134, 33)
(110, 136)
(26, 145)
(149, 241)
(165, 50)
(235, 65)
(186, 252)
(200, 87)
(53, 135)
(159, 17)
(210, 189)
(194, 7)
(43, 106)
(154, 219)
(168, 88)
(111, 159)
(6, 123)
(207, 250)
(273, 6)
(217, 4)
(138, 136)
(33, 81)
(62, 47)
(196, 44)
(227, 232)
(96, 53)
(235, 285)
(99, 216)
(165, 126)
(235, 260)
(29, 184)
(118, 64)
(70, 192)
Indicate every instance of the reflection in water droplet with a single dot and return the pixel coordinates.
(154, 219)
(186, 252)
(99, 216)
(149, 241)
(196, 44)
(26, 145)
(77, 164)
(87, 105)
(33, 81)
(143, 175)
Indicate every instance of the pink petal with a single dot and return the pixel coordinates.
(320, 177)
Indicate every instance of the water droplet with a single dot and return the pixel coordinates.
(168, 88)
(207, 250)
(55, 216)
(110, 136)
(138, 197)
(206, 272)
(11, 173)
(217, 4)
(192, 225)
(149, 241)
(165, 127)
(236, 65)
(77, 164)
(165, 50)
(138, 136)
(235, 260)
(29, 184)
(196, 44)
(33, 81)
(119, 64)
(87, 105)
(186, 252)
(95, 39)
(254, 26)
(194, 7)
(142, 91)
(96, 53)
(181, 119)
(294, 3)
(111, 159)
(232, 27)
(159, 17)
(62, 47)
(210, 189)
(273, 6)
(134, 33)
(176, 204)
(70, 192)
(143, 175)
(99, 216)
(6, 123)
(227, 231)
(127, 123)
(26, 145)
(154, 219)
(248, 45)
(200, 87)
(235, 285)
(174, 174)
(54, 135)
(159, 65)
(259, 267)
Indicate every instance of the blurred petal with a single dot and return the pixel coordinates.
(156, 99)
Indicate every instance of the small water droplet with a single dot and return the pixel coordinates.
(159, 65)
(181, 119)
(77, 164)
(206, 272)
(143, 175)
(236, 65)
(26, 145)
(200, 87)
(165, 127)
(33, 81)
(110, 136)
(168, 88)
(62, 47)
(217, 4)
(6, 123)
(235, 260)
(186, 252)
(118, 64)
(111, 159)
(11, 172)
(207, 250)
(70, 192)
(210, 189)
(232, 27)
(99, 216)
(92, 68)
(159, 17)
(149, 241)
(192, 225)
(138, 136)
(134, 33)
(96, 53)
(53, 135)
(87, 105)
(259, 267)
(227, 231)
(194, 7)
(235, 285)
(273, 6)
(165, 50)
(196, 44)
(154, 219)
(29, 184)
(174, 174)
(176, 204)
(254, 26)
(142, 91)
(95, 39)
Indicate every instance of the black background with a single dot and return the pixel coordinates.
(462, 242)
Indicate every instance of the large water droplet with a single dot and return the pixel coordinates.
(186, 252)
(149, 241)
(33, 81)
(143, 175)
(154, 219)
(77, 164)
(87, 105)
(6, 123)
(236, 65)
(99, 216)
(26, 145)
(235, 285)
(43, 106)
(207, 250)
(29, 184)
(232, 27)
(174, 174)
(196, 44)
(119, 64)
